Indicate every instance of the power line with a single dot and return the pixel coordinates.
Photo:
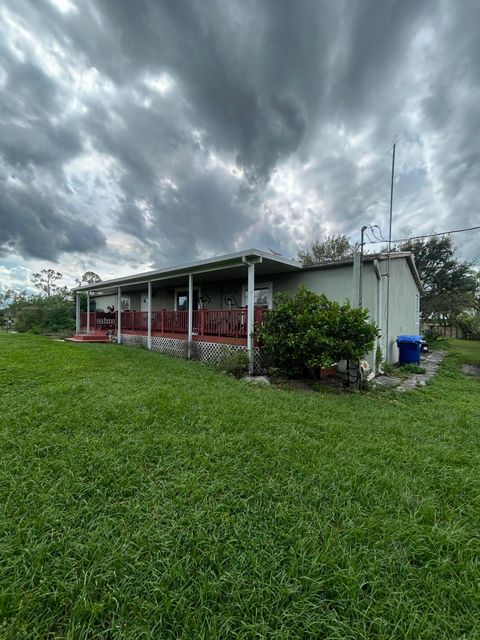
(427, 235)
(379, 239)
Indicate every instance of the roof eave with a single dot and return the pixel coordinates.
(199, 266)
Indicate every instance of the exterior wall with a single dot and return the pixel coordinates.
(102, 302)
(404, 318)
(337, 284)
(163, 299)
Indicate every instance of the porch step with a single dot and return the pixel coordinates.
(89, 337)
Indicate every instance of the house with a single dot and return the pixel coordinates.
(202, 308)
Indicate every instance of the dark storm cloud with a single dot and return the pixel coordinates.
(36, 219)
(33, 223)
(217, 123)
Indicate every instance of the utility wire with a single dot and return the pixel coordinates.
(427, 235)
(381, 238)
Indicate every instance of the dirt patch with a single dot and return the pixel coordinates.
(471, 370)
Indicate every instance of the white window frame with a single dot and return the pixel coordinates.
(185, 289)
(259, 285)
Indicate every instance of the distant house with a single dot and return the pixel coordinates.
(211, 305)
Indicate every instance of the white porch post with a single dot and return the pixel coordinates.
(250, 313)
(77, 312)
(119, 315)
(88, 311)
(190, 314)
(149, 317)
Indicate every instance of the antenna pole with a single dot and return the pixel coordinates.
(360, 279)
(387, 337)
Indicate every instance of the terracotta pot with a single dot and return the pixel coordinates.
(329, 371)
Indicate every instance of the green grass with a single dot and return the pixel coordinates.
(147, 497)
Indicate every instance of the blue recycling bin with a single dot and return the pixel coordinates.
(409, 347)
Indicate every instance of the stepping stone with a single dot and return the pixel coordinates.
(471, 370)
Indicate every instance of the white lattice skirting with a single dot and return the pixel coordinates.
(204, 351)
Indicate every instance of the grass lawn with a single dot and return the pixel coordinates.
(147, 497)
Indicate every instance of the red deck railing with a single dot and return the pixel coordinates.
(221, 323)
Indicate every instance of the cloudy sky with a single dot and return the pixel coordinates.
(140, 133)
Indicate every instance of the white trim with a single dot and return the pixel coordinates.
(259, 285)
(77, 313)
(88, 311)
(200, 266)
(181, 289)
(190, 313)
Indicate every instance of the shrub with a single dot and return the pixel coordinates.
(430, 335)
(308, 331)
(412, 368)
(44, 315)
(233, 362)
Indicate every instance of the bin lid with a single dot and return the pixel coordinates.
(414, 338)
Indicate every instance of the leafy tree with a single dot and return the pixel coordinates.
(470, 323)
(308, 331)
(11, 296)
(450, 285)
(46, 281)
(334, 247)
(40, 314)
(8, 299)
(89, 277)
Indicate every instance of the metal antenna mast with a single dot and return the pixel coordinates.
(387, 337)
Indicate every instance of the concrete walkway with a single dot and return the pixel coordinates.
(430, 363)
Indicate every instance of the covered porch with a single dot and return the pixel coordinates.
(209, 301)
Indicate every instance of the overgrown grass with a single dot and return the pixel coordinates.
(147, 497)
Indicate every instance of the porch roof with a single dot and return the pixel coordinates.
(232, 265)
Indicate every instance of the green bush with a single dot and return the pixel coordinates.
(41, 314)
(306, 332)
(430, 335)
(233, 362)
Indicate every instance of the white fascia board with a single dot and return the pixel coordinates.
(200, 266)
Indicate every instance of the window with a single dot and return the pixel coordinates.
(262, 296)
(181, 299)
(125, 302)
